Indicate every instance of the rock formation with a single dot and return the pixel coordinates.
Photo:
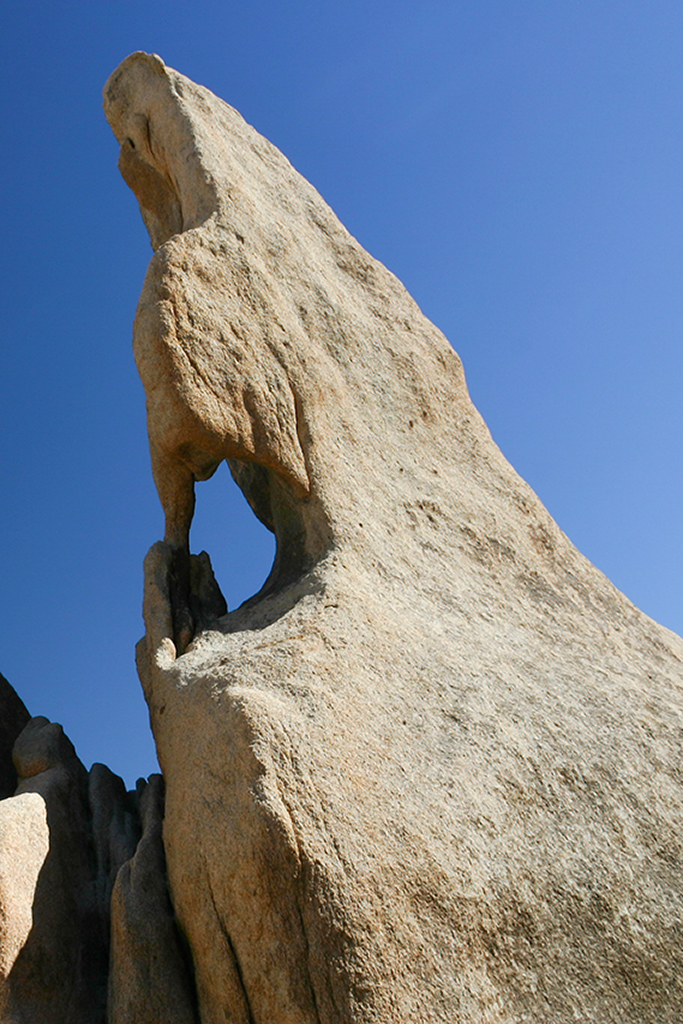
(432, 771)
(66, 837)
(149, 980)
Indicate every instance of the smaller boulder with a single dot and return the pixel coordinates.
(54, 961)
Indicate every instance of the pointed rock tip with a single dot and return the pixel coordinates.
(149, 62)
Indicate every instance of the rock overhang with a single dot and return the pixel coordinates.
(285, 308)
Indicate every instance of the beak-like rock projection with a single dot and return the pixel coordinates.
(432, 771)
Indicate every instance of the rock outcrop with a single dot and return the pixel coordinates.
(68, 838)
(432, 771)
(149, 979)
(57, 972)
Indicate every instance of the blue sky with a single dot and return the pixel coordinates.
(518, 165)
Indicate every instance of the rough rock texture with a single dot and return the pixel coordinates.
(55, 956)
(432, 772)
(24, 847)
(115, 829)
(149, 980)
(13, 718)
(65, 836)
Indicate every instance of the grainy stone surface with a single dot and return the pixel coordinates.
(432, 772)
(149, 979)
(24, 846)
(115, 828)
(55, 959)
(65, 834)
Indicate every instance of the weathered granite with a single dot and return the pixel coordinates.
(55, 961)
(115, 828)
(66, 836)
(150, 980)
(24, 847)
(432, 772)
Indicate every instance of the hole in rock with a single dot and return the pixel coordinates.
(241, 549)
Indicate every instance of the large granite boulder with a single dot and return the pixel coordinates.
(432, 771)
(150, 981)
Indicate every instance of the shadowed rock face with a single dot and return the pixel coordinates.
(68, 839)
(432, 771)
(13, 718)
(58, 833)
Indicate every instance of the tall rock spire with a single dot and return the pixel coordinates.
(431, 772)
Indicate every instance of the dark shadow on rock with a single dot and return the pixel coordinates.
(151, 979)
(59, 976)
(85, 946)
(13, 718)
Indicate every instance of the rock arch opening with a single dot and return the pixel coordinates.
(241, 548)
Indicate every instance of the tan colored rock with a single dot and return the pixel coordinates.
(24, 847)
(432, 772)
(116, 830)
(64, 835)
(54, 961)
(149, 980)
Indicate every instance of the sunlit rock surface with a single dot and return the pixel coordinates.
(432, 772)
(68, 838)
(53, 948)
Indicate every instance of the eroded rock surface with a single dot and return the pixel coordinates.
(67, 838)
(56, 956)
(150, 981)
(432, 772)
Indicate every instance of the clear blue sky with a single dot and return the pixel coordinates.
(518, 165)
